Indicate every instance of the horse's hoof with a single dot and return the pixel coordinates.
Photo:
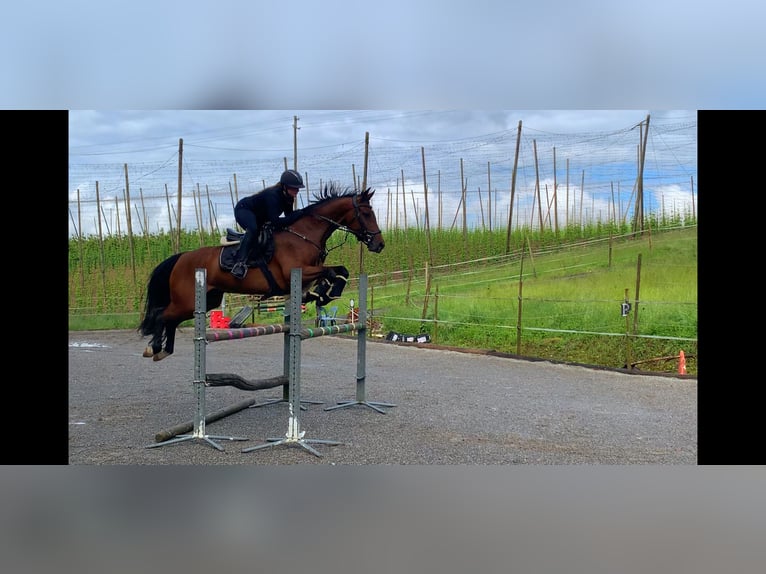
(161, 355)
(148, 352)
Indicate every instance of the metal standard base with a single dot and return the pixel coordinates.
(289, 441)
(275, 401)
(207, 438)
(294, 434)
(372, 404)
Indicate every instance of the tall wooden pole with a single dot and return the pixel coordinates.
(439, 203)
(295, 142)
(170, 219)
(537, 186)
(117, 212)
(180, 180)
(513, 192)
(555, 199)
(566, 211)
(396, 206)
(425, 199)
(582, 190)
(489, 199)
(129, 224)
(465, 224)
(640, 188)
(404, 201)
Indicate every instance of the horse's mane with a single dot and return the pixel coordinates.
(331, 191)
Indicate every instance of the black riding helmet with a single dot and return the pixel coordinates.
(291, 178)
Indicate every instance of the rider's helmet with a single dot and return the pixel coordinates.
(291, 178)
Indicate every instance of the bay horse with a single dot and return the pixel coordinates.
(170, 297)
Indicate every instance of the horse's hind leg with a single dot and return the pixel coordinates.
(180, 308)
(155, 343)
(154, 349)
(164, 331)
(170, 341)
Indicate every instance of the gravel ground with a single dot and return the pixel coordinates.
(451, 407)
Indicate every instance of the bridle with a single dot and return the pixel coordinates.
(364, 235)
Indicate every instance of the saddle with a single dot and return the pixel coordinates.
(260, 255)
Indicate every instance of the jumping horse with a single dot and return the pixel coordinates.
(170, 297)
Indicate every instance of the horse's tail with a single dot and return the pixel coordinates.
(157, 294)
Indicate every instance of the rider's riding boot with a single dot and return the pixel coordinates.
(239, 270)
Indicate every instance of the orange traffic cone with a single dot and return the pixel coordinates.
(682, 363)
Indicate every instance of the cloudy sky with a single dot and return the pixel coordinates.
(589, 156)
(337, 55)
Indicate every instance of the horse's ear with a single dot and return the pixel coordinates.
(369, 193)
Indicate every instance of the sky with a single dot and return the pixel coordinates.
(589, 156)
(545, 58)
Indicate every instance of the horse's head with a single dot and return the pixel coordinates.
(351, 212)
(365, 224)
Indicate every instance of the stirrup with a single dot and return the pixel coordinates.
(239, 270)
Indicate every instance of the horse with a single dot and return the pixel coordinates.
(170, 295)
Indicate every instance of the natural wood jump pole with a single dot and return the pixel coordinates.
(225, 380)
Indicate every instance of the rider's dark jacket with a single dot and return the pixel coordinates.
(267, 206)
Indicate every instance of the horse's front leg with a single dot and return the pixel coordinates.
(328, 286)
(338, 283)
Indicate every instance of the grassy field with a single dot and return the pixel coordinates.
(550, 296)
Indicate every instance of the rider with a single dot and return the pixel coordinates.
(264, 207)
